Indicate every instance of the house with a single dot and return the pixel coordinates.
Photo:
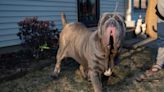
(86, 11)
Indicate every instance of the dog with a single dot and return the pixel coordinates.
(93, 50)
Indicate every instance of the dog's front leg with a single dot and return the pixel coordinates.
(96, 82)
(108, 72)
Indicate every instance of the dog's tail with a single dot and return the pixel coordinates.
(63, 19)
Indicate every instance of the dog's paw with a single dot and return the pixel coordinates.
(54, 75)
(108, 72)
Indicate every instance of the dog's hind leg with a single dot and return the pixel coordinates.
(60, 56)
(83, 72)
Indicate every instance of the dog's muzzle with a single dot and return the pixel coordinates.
(111, 33)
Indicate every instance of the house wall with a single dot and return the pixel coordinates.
(12, 11)
(109, 6)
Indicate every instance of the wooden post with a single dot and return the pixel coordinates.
(129, 22)
(151, 19)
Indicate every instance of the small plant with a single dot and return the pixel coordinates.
(37, 35)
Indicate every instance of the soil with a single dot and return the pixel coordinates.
(18, 63)
(133, 63)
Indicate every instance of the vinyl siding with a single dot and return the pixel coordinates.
(12, 11)
(109, 6)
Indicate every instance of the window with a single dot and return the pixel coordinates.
(140, 4)
(88, 12)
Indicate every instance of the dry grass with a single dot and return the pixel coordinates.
(70, 81)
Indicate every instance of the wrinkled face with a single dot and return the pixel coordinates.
(111, 30)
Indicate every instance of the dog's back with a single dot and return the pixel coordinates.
(71, 34)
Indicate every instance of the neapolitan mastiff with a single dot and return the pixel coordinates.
(93, 50)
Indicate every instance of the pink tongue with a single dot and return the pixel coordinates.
(109, 32)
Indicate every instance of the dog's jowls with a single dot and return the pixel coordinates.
(94, 51)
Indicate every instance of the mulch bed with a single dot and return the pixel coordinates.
(16, 64)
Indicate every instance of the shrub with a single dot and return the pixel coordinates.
(37, 35)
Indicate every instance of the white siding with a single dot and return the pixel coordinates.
(12, 11)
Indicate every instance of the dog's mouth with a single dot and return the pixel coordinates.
(109, 36)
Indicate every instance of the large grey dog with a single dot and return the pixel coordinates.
(93, 50)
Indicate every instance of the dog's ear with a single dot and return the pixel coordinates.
(119, 17)
(121, 21)
(102, 19)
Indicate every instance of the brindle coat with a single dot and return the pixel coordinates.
(93, 50)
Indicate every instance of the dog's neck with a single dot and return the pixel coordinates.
(100, 46)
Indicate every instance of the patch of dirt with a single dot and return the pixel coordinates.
(14, 63)
(131, 66)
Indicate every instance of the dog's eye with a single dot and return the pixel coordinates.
(117, 18)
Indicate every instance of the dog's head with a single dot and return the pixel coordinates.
(111, 30)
